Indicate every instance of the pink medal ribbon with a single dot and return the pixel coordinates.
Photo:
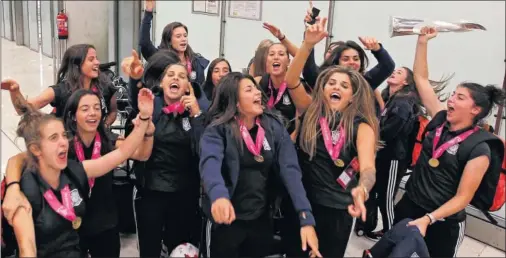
(254, 148)
(281, 91)
(66, 210)
(175, 108)
(436, 153)
(97, 146)
(332, 149)
(188, 66)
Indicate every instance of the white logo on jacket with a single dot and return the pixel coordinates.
(186, 124)
(286, 100)
(453, 149)
(76, 198)
(414, 255)
(266, 145)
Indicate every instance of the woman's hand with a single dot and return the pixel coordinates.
(10, 85)
(145, 103)
(426, 34)
(357, 209)
(308, 238)
(316, 32)
(13, 200)
(421, 223)
(309, 14)
(149, 5)
(223, 211)
(190, 101)
(132, 66)
(275, 31)
(370, 43)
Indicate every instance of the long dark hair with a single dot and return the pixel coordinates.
(208, 84)
(410, 91)
(484, 97)
(70, 70)
(69, 118)
(223, 110)
(167, 37)
(338, 51)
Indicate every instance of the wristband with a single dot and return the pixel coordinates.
(283, 38)
(431, 217)
(144, 119)
(148, 135)
(11, 183)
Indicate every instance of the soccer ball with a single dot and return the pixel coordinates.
(186, 250)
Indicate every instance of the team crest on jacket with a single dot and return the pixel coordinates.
(186, 124)
(453, 149)
(266, 145)
(76, 198)
(286, 100)
(335, 136)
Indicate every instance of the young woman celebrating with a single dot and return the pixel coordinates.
(256, 66)
(336, 143)
(79, 70)
(399, 125)
(58, 188)
(218, 68)
(170, 177)
(236, 171)
(445, 180)
(98, 234)
(174, 38)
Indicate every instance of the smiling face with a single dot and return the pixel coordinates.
(88, 114)
(277, 60)
(90, 66)
(250, 99)
(175, 82)
(220, 69)
(179, 39)
(338, 91)
(350, 58)
(53, 146)
(398, 79)
(461, 106)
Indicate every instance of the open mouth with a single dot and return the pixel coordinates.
(92, 122)
(276, 65)
(335, 96)
(174, 88)
(257, 101)
(183, 45)
(62, 155)
(450, 109)
(95, 68)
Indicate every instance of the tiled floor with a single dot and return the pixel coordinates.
(34, 73)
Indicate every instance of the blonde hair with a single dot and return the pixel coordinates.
(362, 105)
(261, 56)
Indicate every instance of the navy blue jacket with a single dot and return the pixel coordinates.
(219, 152)
(374, 77)
(199, 63)
(400, 241)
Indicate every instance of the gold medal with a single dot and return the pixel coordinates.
(259, 158)
(339, 163)
(76, 223)
(434, 162)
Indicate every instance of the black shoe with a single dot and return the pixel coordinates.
(374, 236)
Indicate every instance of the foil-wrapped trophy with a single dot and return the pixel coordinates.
(408, 26)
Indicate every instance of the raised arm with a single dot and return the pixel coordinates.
(421, 73)
(40, 101)
(146, 45)
(385, 67)
(113, 110)
(276, 32)
(314, 34)
(132, 67)
(98, 167)
(145, 148)
(14, 197)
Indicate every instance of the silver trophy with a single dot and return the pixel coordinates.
(407, 26)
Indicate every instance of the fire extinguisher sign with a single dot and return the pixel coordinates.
(62, 25)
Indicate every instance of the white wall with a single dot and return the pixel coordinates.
(203, 30)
